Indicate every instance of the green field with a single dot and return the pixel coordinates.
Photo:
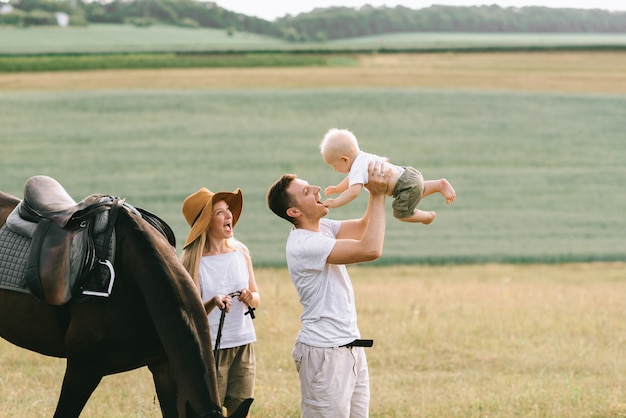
(536, 174)
(107, 38)
(111, 38)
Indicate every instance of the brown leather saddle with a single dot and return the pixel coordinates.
(63, 251)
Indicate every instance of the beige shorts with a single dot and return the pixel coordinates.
(235, 375)
(407, 193)
(334, 382)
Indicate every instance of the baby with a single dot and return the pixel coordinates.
(340, 150)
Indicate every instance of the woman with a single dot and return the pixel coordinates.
(221, 267)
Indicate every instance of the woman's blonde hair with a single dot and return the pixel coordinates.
(191, 257)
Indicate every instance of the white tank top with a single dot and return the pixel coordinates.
(220, 275)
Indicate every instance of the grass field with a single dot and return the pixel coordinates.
(532, 142)
(108, 38)
(537, 341)
(581, 72)
(535, 171)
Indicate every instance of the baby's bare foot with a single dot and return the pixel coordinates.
(447, 191)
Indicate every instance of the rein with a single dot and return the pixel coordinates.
(216, 352)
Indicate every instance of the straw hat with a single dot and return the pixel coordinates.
(197, 209)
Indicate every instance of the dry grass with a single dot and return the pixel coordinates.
(453, 341)
(602, 72)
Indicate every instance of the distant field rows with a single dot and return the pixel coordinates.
(599, 72)
(128, 38)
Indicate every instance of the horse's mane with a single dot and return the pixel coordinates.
(159, 249)
(171, 297)
(162, 254)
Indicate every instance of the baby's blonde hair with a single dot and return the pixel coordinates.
(337, 143)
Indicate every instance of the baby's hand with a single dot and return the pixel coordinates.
(330, 190)
(329, 203)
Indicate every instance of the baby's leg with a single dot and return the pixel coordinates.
(442, 186)
(420, 216)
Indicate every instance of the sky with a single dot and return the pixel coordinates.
(272, 9)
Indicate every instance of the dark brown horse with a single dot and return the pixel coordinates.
(154, 317)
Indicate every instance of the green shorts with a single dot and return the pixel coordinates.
(235, 375)
(407, 193)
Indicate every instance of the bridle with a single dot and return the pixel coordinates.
(216, 352)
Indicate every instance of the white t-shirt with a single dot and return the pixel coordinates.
(325, 291)
(220, 275)
(359, 173)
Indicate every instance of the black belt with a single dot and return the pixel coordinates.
(359, 343)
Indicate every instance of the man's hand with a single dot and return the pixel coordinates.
(378, 176)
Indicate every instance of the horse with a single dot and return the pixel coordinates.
(153, 317)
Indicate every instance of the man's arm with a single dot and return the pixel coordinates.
(362, 239)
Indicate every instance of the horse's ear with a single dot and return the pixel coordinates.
(189, 412)
(243, 409)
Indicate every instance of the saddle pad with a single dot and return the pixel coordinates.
(15, 243)
(17, 224)
(14, 249)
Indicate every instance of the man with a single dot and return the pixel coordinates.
(332, 367)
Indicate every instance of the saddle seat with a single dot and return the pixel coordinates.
(45, 198)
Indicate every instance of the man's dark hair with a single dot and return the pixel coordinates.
(278, 200)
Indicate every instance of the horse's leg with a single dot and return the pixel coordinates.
(78, 385)
(165, 387)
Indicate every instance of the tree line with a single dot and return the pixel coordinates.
(321, 24)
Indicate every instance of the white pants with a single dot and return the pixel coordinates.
(334, 382)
